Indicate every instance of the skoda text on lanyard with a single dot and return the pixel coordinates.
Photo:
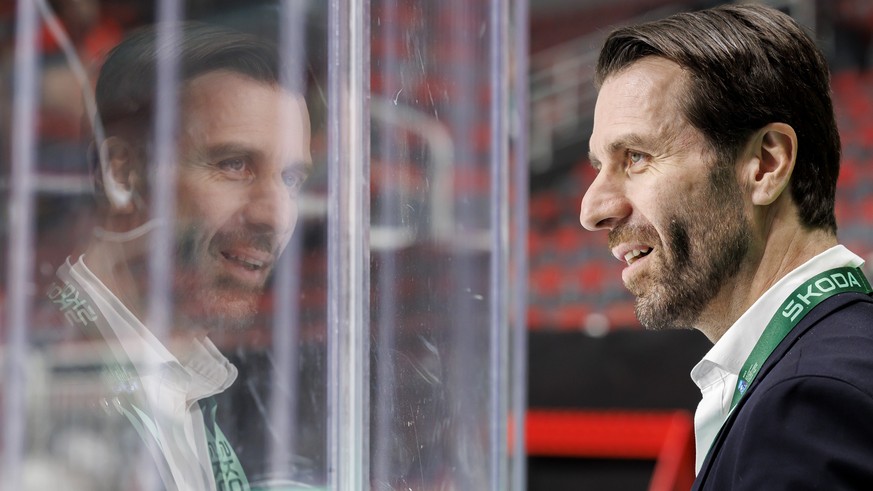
(793, 309)
(228, 472)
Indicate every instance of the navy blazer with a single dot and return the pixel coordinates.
(807, 421)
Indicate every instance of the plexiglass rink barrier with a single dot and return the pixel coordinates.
(263, 245)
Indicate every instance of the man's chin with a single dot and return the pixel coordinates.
(649, 315)
(225, 310)
(656, 311)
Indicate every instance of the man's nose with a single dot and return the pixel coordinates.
(605, 204)
(271, 206)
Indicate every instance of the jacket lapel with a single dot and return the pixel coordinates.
(818, 313)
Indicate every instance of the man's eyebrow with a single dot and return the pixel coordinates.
(223, 150)
(306, 166)
(595, 162)
(629, 140)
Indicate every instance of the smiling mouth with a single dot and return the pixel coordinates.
(634, 255)
(246, 262)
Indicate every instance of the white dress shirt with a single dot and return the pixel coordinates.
(716, 375)
(156, 392)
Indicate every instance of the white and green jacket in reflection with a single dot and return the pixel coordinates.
(136, 407)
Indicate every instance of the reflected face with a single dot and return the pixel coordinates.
(675, 216)
(244, 154)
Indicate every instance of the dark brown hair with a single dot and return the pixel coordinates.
(747, 66)
(125, 89)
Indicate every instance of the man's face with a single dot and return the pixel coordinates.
(243, 155)
(675, 216)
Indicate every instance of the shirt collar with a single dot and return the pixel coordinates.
(731, 351)
(204, 372)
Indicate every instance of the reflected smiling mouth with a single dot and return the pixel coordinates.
(246, 261)
(249, 257)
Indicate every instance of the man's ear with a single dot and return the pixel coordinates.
(770, 162)
(120, 175)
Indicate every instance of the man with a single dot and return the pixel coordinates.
(242, 154)
(717, 156)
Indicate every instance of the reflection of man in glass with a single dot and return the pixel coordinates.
(242, 154)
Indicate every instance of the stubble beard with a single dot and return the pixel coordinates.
(205, 297)
(705, 245)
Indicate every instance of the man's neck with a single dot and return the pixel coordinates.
(108, 261)
(783, 252)
(124, 272)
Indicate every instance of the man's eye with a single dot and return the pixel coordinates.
(635, 157)
(293, 180)
(232, 165)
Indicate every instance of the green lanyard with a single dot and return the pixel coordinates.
(226, 467)
(793, 309)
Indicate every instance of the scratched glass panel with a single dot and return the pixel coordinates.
(439, 215)
(164, 273)
(165, 257)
